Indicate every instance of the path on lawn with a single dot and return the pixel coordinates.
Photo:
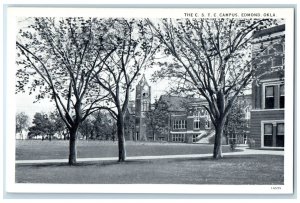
(244, 151)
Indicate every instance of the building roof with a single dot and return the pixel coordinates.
(269, 31)
(143, 81)
(175, 103)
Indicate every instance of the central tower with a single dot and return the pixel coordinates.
(142, 105)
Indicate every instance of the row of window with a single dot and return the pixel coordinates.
(207, 124)
(237, 138)
(178, 137)
(274, 135)
(200, 112)
(270, 96)
(181, 124)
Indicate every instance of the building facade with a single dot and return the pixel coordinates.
(187, 120)
(267, 114)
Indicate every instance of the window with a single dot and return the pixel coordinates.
(281, 100)
(145, 106)
(196, 124)
(268, 135)
(274, 96)
(207, 124)
(179, 124)
(280, 135)
(277, 61)
(178, 138)
(247, 113)
(197, 120)
(195, 138)
(273, 134)
(269, 97)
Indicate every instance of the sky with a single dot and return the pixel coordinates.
(24, 101)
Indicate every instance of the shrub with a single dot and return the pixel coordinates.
(232, 145)
(251, 142)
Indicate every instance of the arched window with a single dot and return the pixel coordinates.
(247, 112)
(197, 119)
(145, 106)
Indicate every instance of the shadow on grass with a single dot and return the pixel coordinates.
(138, 162)
(85, 164)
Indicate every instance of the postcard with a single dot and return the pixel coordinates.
(149, 100)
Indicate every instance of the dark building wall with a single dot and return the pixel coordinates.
(190, 123)
(269, 74)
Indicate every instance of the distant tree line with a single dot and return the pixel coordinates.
(99, 126)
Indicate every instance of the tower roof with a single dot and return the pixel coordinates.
(143, 81)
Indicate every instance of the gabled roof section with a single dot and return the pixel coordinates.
(177, 103)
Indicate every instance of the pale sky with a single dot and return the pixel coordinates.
(24, 101)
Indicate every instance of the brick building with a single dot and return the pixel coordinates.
(267, 115)
(188, 121)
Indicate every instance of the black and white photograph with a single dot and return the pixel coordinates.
(166, 98)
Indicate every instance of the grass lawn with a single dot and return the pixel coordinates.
(58, 149)
(246, 169)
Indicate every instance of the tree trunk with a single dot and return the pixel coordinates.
(218, 140)
(153, 133)
(72, 147)
(121, 138)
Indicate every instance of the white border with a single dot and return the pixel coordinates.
(287, 188)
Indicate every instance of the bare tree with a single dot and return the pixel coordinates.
(135, 47)
(213, 58)
(57, 58)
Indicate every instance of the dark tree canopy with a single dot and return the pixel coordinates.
(157, 119)
(42, 126)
